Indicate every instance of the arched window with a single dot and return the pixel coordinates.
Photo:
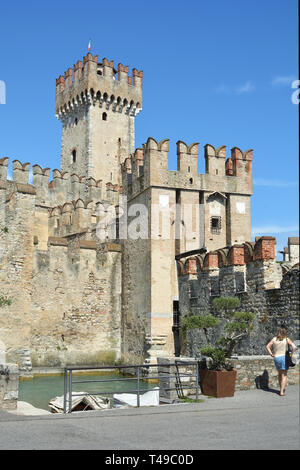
(104, 117)
(73, 156)
(191, 180)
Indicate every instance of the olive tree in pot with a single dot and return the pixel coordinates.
(218, 379)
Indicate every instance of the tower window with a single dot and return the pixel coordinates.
(76, 121)
(104, 117)
(215, 224)
(73, 156)
(191, 180)
(189, 169)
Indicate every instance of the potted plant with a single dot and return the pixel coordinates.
(218, 378)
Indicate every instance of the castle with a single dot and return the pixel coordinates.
(94, 260)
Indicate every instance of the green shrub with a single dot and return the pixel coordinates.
(237, 325)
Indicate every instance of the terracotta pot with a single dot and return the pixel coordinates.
(217, 383)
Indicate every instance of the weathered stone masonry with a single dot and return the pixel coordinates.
(250, 271)
(182, 206)
(66, 291)
(83, 298)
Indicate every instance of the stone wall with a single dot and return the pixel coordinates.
(250, 272)
(222, 193)
(9, 386)
(169, 386)
(252, 372)
(260, 372)
(72, 315)
(65, 292)
(180, 207)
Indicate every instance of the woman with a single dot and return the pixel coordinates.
(279, 344)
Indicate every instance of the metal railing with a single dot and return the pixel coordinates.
(69, 382)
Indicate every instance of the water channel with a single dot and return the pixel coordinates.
(40, 390)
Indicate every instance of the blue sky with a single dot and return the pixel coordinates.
(214, 72)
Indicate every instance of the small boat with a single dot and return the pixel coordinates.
(150, 398)
(81, 401)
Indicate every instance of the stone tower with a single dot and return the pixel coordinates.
(97, 106)
(187, 212)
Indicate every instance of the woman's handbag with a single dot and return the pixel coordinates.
(289, 361)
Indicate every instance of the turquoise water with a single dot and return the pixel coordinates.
(40, 390)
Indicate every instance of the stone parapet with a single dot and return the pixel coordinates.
(265, 287)
(153, 170)
(260, 372)
(90, 80)
(9, 386)
(252, 372)
(175, 382)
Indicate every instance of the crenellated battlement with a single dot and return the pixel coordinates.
(250, 272)
(66, 205)
(250, 268)
(90, 82)
(263, 249)
(240, 162)
(71, 217)
(61, 188)
(3, 168)
(149, 166)
(21, 172)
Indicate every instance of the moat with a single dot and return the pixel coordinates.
(40, 390)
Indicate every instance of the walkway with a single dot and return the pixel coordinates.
(249, 420)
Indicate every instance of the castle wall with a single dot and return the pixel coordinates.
(214, 208)
(80, 300)
(41, 228)
(163, 280)
(293, 249)
(239, 219)
(149, 284)
(251, 273)
(73, 316)
(65, 292)
(187, 211)
(136, 289)
(16, 250)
